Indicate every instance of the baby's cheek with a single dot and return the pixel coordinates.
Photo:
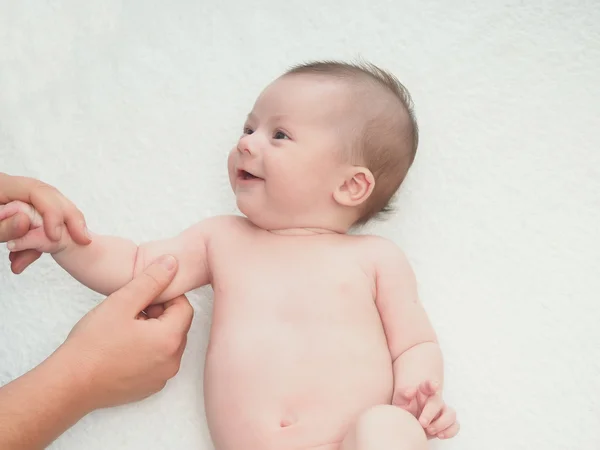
(231, 168)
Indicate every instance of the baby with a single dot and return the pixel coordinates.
(318, 339)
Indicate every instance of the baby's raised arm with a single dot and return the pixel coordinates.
(108, 262)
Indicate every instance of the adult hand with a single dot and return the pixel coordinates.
(122, 358)
(15, 227)
(111, 357)
(55, 209)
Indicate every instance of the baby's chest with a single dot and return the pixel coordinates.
(293, 285)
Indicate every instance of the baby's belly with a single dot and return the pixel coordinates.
(292, 385)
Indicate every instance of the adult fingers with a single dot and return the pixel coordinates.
(76, 225)
(14, 227)
(15, 188)
(155, 311)
(47, 201)
(136, 295)
(36, 239)
(430, 410)
(177, 356)
(445, 420)
(178, 314)
(55, 208)
(21, 260)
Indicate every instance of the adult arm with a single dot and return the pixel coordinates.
(111, 357)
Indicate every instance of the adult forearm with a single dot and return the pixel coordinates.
(105, 265)
(422, 362)
(39, 406)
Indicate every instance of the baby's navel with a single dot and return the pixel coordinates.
(287, 420)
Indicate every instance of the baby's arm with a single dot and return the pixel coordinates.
(411, 339)
(108, 263)
(416, 355)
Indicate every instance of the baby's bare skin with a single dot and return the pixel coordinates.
(297, 350)
(315, 332)
(304, 336)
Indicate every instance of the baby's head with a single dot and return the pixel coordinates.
(326, 146)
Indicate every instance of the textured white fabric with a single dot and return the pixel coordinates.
(130, 108)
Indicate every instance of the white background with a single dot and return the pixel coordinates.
(130, 108)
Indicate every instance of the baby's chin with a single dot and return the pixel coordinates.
(258, 214)
(248, 206)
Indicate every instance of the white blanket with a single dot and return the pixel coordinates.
(131, 107)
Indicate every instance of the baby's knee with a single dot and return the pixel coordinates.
(392, 424)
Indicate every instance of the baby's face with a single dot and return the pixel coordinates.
(287, 162)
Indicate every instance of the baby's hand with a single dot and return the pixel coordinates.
(36, 238)
(426, 404)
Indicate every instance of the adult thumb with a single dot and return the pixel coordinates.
(145, 287)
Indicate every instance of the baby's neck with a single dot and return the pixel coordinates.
(304, 231)
(306, 226)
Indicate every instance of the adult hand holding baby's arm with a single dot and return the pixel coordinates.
(108, 262)
(36, 237)
(55, 209)
(104, 265)
(122, 355)
(416, 355)
(111, 357)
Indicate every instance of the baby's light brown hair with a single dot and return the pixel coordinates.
(388, 137)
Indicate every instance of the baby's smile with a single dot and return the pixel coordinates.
(246, 176)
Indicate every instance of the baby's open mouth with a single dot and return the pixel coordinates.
(245, 175)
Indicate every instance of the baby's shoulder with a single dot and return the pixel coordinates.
(224, 225)
(382, 252)
(228, 220)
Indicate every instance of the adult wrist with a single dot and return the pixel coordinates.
(75, 379)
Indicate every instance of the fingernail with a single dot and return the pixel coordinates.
(168, 262)
(10, 245)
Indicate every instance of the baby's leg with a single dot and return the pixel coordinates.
(386, 427)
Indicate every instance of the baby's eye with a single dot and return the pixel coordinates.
(280, 135)
(248, 130)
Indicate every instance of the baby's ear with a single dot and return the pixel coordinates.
(356, 187)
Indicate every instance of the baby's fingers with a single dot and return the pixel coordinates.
(441, 425)
(16, 207)
(429, 387)
(433, 407)
(449, 432)
(407, 400)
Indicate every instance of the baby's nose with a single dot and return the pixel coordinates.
(245, 145)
